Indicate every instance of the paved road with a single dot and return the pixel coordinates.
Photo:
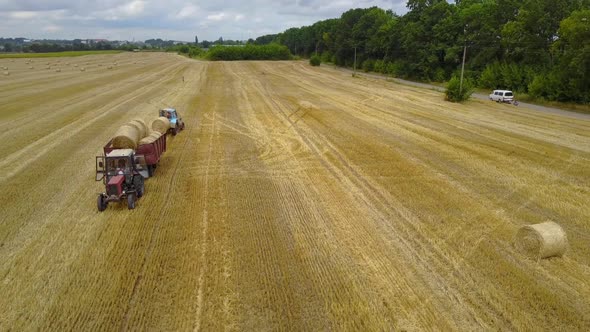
(544, 109)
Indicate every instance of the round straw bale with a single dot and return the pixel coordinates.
(110, 67)
(152, 137)
(75, 65)
(141, 127)
(305, 105)
(31, 67)
(6, 73)
(126, 137)
(82, 69)
(155, 135)
(161, 124)
(58, 70)
(541, 240)
(146, 140)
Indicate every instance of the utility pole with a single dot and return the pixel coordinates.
(463, 63)
(354, 66)
(462, 68)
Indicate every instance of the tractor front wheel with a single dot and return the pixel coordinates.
(101, 203)
(139, 185)
(131, 201)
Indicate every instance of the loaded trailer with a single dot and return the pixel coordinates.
(123, 171)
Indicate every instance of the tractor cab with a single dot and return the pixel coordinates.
(122, 173)
(176, 123)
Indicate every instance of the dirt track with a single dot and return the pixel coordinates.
(298, 198)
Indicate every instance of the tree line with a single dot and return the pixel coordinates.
(538, 47)
(234, 52)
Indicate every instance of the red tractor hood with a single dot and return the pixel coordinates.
(117, 180)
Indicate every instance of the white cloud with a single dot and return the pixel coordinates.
(170, 19)
(52, 28)
(187, 11)
(132, 8)
(23, 15)
(216, 17)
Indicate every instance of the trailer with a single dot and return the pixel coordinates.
(151, 152)
(123, 171)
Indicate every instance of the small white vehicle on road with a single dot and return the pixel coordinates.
(502, 96)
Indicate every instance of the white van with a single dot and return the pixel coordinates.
(503, 96)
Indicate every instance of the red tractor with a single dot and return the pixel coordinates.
(122, 173)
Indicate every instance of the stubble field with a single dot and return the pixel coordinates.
(297, 198)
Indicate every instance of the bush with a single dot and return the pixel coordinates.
(249, 52)
(315, 61)
(369, 65)
(379, 66)
(326, 56)
(391, 69)
(455, 94)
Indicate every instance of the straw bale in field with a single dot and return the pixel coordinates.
(75, 65)
(31, 67)
(161, 124)
(126, 137)
(6, 73)
(305, 105)
(58, 70)
(142, 128)
(82, 69)
(110, 67)
(541, 240)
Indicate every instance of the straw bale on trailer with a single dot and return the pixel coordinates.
(161, 124)
(141, 127)
(541, 240)
(126, 137)
(152, 137)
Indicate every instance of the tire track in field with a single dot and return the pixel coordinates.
(64, 103)
(371, 195)
(443, 255)
(205, 226)
(161, 218)
(311, 182)
(44, 145)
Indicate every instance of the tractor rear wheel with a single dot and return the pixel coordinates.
(131, 201)
(101, 203)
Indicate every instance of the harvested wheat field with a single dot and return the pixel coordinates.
(297, 198)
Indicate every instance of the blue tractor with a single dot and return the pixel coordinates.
(176, 123)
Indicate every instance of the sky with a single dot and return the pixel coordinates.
(170, 19)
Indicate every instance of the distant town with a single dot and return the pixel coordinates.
(27, 45)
